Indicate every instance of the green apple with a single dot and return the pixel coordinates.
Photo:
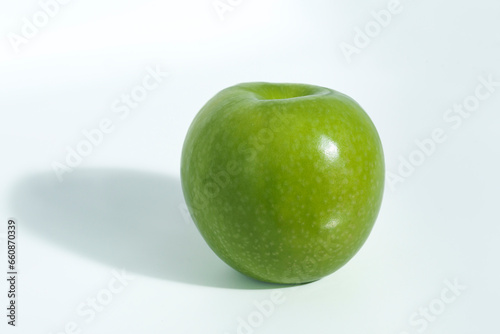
(283, 181)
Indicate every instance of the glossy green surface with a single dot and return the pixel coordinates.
(284, 181)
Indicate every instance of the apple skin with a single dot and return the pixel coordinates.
(283, 181)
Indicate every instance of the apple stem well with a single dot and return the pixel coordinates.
(271, 91)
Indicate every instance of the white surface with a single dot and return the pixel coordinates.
(120, 209)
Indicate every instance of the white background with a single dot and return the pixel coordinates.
(121, 208)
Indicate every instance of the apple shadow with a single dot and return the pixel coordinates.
(127, 219)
